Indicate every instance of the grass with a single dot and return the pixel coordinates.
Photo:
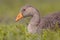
(19, 32)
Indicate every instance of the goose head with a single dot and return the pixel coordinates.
(25, 11)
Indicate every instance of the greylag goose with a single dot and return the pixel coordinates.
(37, 23)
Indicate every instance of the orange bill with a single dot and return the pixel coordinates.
(19, 16)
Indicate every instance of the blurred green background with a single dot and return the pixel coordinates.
(12, 30)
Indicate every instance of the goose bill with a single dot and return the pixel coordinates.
(19, 16)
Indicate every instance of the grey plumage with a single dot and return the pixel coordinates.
(49, 21)
(37, 23)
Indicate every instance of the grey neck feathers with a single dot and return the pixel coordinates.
(32, 27)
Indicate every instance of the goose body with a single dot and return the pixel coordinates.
(37, 23)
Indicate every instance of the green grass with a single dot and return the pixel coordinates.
(19, 32)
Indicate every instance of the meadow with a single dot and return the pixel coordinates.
(12, 30)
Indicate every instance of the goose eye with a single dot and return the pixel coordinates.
(23, 9)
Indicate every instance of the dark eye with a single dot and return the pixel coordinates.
(23, 9)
